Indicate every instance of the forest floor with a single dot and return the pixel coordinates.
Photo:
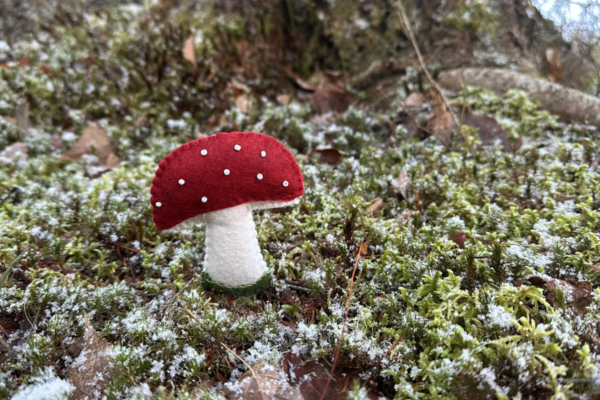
(474, 249)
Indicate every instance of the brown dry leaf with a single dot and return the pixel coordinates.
(10, 120)
(88, 61)
(284, 99)
(243, 103)
(94, 143)
(268, 384)
(311, 377)
(555, 69)
(25, 62)
(402, 183)
(331, 98)
(45, 68)
(578, 294)
(327, 155)
(414, 101)
(490, 132)
(459, 238)
(92, 371)
(16, 150)
(375, 207)
(441, 125)
(238, 88)
(189, 53)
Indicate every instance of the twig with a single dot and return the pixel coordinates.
(411, 35)
(217, 340)
(361, 250)
(174, 298)
(393, 346)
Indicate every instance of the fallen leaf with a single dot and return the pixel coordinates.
(284, 99)
(76, 347)
(238, 88)
(578, 294)
(94, 143)
(414, 101)
(141, 120)
(442, 124)
(402, 183)
(10, 120)
(331, 98)
(327, 155)
(45, 68)
(267, 384)
(311, 377)
(189, 53)
(459, 239)
(92, 370)
(375, 207)
(305, 85)
(555, 69)
(490, 132)
(16, 150)
(88, 61)
(243, 103)
(25, 62)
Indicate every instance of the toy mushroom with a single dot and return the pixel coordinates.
(219, 180)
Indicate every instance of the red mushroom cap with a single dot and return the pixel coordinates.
(222, 171)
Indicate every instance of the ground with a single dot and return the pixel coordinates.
(480, 277)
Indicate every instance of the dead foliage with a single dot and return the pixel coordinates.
(262, 382)
(459, 239)
(375, 206)
(96, 147)
(310, 378)
(15, 150)
(327, 155)
(577, 294)
(92, 371)
(402, 184)
(189, 53)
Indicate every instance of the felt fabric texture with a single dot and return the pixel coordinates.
(237, 291)
(232, 255)
(204, 176)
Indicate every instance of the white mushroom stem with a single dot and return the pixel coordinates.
(232, 254)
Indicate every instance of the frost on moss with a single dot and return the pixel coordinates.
(428, 319)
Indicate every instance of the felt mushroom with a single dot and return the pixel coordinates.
(219, 180)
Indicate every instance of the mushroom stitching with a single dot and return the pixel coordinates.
(219, 180)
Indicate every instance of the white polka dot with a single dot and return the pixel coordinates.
(204, 152)
(226, 172)
(158, 204)
(181, 182)
(285, 183)
(259, 176)
(204, 199)
(237, 147)
(263, 153)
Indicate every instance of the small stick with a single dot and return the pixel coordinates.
(411, 35)
(175, 296)
(361, 250)
(394, 346)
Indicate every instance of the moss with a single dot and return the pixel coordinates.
(428, 319)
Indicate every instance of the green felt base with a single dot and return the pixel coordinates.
(237, 291)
